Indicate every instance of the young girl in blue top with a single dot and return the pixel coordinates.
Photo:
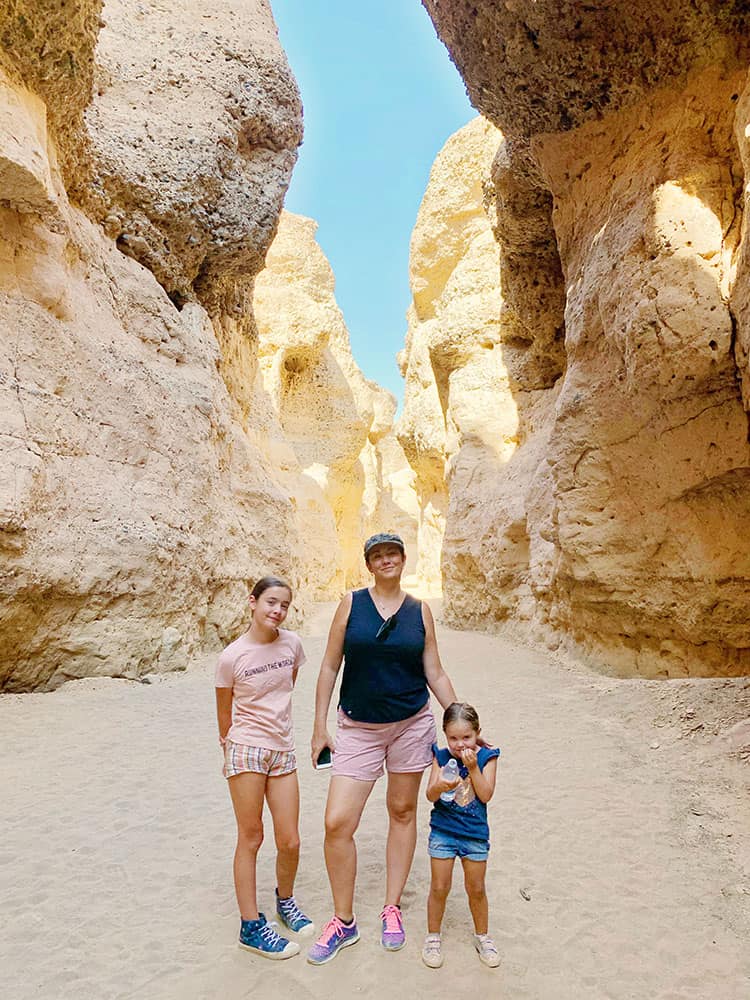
(459, 828)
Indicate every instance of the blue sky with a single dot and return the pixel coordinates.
(381, 96)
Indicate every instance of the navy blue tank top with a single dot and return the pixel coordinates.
(383, 678)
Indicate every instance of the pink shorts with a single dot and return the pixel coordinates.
(239, 759)
(363, 747)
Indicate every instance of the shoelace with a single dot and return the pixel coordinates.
(290, 910)
(392, 919)
(334, 927)
(269, 935)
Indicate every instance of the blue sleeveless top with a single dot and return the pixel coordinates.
(383, 679)
(466, 815)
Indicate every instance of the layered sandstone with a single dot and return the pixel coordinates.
(345, 470)
(138, 495)
(636, 510)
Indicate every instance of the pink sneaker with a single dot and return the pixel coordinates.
(335, 936)
(392, 936)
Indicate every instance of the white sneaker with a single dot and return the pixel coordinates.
(432, 956)
(486, 950)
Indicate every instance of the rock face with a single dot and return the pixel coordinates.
(453, 329)
(473, 435)
(345, 469)
(194, 123)
(48, 48)
(623, 530)
(138, 497)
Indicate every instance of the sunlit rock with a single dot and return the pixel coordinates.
(346, 473)
(139, 496)
(633, 166)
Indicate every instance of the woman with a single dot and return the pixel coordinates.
(387, 641)
(255, 677)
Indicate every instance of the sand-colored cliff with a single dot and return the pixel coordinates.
(635, 511)
(453, 323)
(137, 497)
(474, 456)
(346, 472)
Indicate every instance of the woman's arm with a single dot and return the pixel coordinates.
(224, 712)
(483, 781)
(329, 668)
(437, 679)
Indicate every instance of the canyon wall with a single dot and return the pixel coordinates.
(346, 472)
(476, 415)
(145, 150)
(453, 323)
(618, 524)
(137, 498)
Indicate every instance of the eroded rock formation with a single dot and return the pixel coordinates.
(137, 497)
(631, 158)
(159, 454)
(346, 472)
(453, 328)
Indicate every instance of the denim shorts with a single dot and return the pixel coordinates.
(451, 845)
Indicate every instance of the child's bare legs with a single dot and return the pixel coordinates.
(474, 872)
(282, 794)
(247, 791)
(440, 885)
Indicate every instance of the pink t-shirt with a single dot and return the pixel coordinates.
(260, 676)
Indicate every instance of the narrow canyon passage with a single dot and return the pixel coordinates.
(619, 814)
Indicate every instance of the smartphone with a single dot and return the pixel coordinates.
(324, 759)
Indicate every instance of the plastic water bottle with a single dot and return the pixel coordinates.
(449, 772)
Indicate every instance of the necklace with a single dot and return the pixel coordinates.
(387, 605)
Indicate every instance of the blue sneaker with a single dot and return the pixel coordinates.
(292, 917)
(260, 937)
(335, 936)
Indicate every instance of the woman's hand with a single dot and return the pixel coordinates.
(319, 740)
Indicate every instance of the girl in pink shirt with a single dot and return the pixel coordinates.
(255, 677)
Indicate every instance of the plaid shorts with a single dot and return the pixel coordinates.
(239, 759)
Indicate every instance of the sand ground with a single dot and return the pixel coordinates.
(620, 867)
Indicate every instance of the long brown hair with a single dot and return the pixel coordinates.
(266, 583)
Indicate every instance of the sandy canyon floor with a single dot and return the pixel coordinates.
(620, 867)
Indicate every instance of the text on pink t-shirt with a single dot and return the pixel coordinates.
(261, 678)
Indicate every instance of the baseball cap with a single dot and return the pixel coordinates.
(383, 538)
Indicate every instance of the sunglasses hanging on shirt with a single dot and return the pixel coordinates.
(386, 628)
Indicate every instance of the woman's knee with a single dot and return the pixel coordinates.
(340, 825)
(402, 811)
